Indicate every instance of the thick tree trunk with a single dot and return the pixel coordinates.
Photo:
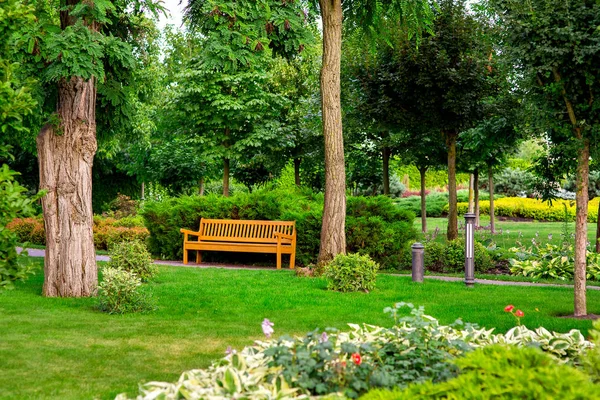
(66, 154)
(297, 162)
(452, 232)
(386, 171)
(226, 177)
(581, 200)
(201, 187)
(491, 188)
(598, 231)
(476, 189)
(423, 171)
(333, 231)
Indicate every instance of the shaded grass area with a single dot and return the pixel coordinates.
(65, 348)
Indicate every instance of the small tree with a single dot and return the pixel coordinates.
(555, 46)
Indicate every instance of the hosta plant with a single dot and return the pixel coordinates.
(329, 364)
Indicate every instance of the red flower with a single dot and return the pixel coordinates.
(519, 313)
(356, 359)
(509, 308)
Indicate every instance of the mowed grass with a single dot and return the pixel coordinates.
(65, 348)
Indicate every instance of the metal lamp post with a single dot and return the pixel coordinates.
(469, 249)
(418, 252)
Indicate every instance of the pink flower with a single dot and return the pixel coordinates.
(509, 308)
(356, 358)
(267, 328)
(519, 313)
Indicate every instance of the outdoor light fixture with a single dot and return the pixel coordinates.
(418, 252)
(469, 249)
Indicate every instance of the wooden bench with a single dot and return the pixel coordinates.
(277, 237)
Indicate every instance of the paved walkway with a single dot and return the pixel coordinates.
(41, 253)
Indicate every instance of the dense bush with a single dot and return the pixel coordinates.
(501, 372)
(351, 273)
(120, 292)
(409, 174)
(449, 257)
(374, 225)
(107, 231)
(416, 350)
(514, 182)
(436, 202)
(517, 207)
(134, 257)
(122, 206)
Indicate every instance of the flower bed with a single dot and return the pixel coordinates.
(416, 349)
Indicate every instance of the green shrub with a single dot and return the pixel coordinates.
(374, 225)
(30, 230)
(514, 182)
(351, 273)
(13, 203)
(450, 256)
(120, 292)
(501, 372)
(133, 257)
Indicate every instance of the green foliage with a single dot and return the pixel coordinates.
(409, 174)
(514, 182)
(374, 225)
(450, 256)
(133, 257)
(551, 261)
(502, 372)
(351, 273)
(13, 203)
(436, 203)
(120, 292)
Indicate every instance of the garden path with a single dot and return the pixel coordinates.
(41, 253)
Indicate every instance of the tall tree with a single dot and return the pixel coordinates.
(82, 53)
(556, 48)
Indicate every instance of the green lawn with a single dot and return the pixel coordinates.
(65, 348)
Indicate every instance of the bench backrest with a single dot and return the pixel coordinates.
(232, 230)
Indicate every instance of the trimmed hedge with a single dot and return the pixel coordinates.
(518, 207)
(374, 225)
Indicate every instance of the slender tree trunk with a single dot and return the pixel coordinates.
(333, 231)
(66, 154)
(476, 188)
(201, 187)
(491, 188)
(423, 171)
(226, 177)
(143, 191)
(598, 231)
(452, 232)
(297, 162)
(581, 200)
(471, 204)
(386, 171)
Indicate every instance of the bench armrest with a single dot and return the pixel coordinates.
(283, 235)
(189, 232)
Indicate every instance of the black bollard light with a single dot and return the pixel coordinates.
(469, 249)
(418, 253)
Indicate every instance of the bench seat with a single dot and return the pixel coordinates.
(272, 237)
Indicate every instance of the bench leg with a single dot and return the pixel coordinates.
(198, 257)
(278, 260)
(185, 256)
(292, 260)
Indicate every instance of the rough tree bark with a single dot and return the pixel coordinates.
(201, 187)
(452, 232)
(386, 170)
(66, 154)
(476, 189)
(333, 231)
(491, 188)
(581, 201)
(297, 162)
(423, 171)
(598, 231)
(471, 203)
